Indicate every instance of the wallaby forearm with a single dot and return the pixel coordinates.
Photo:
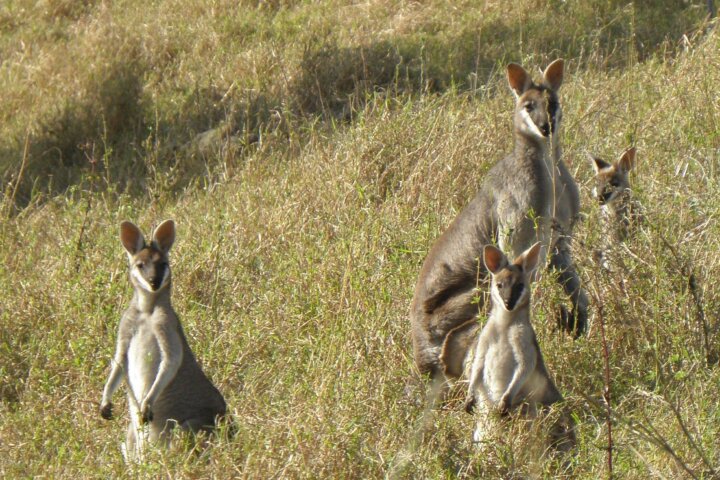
(478, 366)
(113, 382)
(172, 355)
(520, 376)
(117, 370)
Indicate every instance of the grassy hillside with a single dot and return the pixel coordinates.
(311, 153)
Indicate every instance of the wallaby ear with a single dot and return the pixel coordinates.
(553, 74)
(627, 160)
(529, 258)
(518, 79)
(131, 237)
(164, 235)
(494, 259)
(598, 163)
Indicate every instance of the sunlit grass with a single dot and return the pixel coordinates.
(301, 233)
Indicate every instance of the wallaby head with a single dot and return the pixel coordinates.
(510, 286)
(537, 111)
(612, 179)
(149, 263)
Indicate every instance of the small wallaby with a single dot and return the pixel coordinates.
(620, 212)
(520, 199)
(166, 386)
(508, 372)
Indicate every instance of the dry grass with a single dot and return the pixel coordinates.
(303, 227)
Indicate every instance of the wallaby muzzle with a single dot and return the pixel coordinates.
(545, 129)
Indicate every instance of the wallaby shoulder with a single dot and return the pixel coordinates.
(567, 207)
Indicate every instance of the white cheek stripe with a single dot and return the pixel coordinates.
(498, 299)
(143, 283)
(495, 294)
(530, 124)
(166, 277)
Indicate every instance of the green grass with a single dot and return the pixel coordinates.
(347, 137)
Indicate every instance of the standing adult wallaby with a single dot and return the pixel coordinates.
(166, 386)
(520, 200)
(508, 372)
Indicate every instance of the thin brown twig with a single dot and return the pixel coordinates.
(23, 164)
(607, 392)
(690, 438)
(686, 269)
(78, 247)
(649, 434)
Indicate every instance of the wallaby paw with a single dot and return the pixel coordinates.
(470, 403)
(574, 322)
(106, 411)
(504, 405)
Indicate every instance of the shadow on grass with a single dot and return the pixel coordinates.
(114, 120)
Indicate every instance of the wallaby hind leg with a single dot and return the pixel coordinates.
(199, 424)
(133, 446)
(562, 433)
(198, 431)
(560, 260)
(456, 346)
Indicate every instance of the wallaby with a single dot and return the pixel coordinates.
(516, 206)
(166, 386)
(508, 372)
(620, 212)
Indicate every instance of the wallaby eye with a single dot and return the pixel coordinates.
(529, 106)
(500, 285)
(140, 264)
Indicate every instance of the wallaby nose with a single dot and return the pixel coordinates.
(156, 282)
(545, 129)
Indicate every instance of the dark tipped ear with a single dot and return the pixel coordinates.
(553, 74)
(164, 235)
(494, 259)
(529, 259)
(598, 163)
(627, 160)
(131, 237)
(518, 79)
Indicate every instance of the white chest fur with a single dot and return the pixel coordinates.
(500, 365)
(143, 360)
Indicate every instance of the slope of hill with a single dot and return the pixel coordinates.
(310, 154)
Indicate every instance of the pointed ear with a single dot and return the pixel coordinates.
(164, 235)
(553, 74)
(131, 238)
(529, 258)
(598, 163)
(494, 259)
(518, 79)
(627, 160)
